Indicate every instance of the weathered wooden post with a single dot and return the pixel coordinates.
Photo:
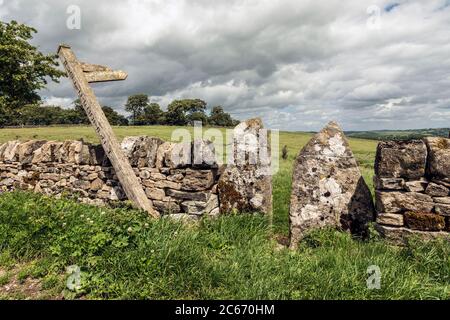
(82, 74)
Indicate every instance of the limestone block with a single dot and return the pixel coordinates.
(8, 151)
(394, 201)
(96, 184)
(388, 183)
(438, 155)
(25, 150)
(442, 209)
(199, 207)
(401, 159)
(390, 219)
(416, 186)
(48, 152)
(155, 193)
(196, 180)
(142, 150)
(436, 190)
(166, 207)
(186, 195)
(443, 200)
(204, 154)
(163, 184)
(400, 235)
(179, 155)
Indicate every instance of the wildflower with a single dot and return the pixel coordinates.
(130, 229)
(64, 224)
(146, 225)
(82, 216)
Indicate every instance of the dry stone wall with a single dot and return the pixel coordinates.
(170, 180)
(183, 180)
(412, 183)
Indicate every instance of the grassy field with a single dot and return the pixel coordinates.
(123, 254)
(364, 151)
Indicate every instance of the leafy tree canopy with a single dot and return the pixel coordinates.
(218, 117)
(24, 70)
(152, 114)
(136, 105)
(181, 112)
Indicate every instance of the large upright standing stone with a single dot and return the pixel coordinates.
(246, 183)
(327, 187)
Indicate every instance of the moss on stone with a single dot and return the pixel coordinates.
(424, 221)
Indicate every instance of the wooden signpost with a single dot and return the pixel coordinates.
(82, 74)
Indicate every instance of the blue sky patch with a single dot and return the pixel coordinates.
(391, 7)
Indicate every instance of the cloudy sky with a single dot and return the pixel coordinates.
(373, 64)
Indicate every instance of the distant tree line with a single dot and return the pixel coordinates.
(38, 115)
(179, 112)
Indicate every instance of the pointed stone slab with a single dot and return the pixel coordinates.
(327, 187)
(246, 183)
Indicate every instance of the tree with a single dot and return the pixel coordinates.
(220, 118)
(24, 70)
(197, 116)
(136, 105)
(195, 109)
(114, 118)
(79, 114)
(152, 114)
(33, 114)
(182, 112)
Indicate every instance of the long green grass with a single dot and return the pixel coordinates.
(124, 254)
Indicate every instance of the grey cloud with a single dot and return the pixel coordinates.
(296, 63)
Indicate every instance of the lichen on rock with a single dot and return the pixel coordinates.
(327, 187)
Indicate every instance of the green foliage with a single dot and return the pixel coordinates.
(220, 118)
(79, 113)
(187, 111)
(123, 254)
(37, 115)
(5, 278)
(152, 115)
(136, 105)
(24, 70)
(180, 112)
(114, 118)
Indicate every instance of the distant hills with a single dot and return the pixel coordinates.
(399, 134)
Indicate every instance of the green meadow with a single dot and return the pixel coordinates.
(125, 255)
